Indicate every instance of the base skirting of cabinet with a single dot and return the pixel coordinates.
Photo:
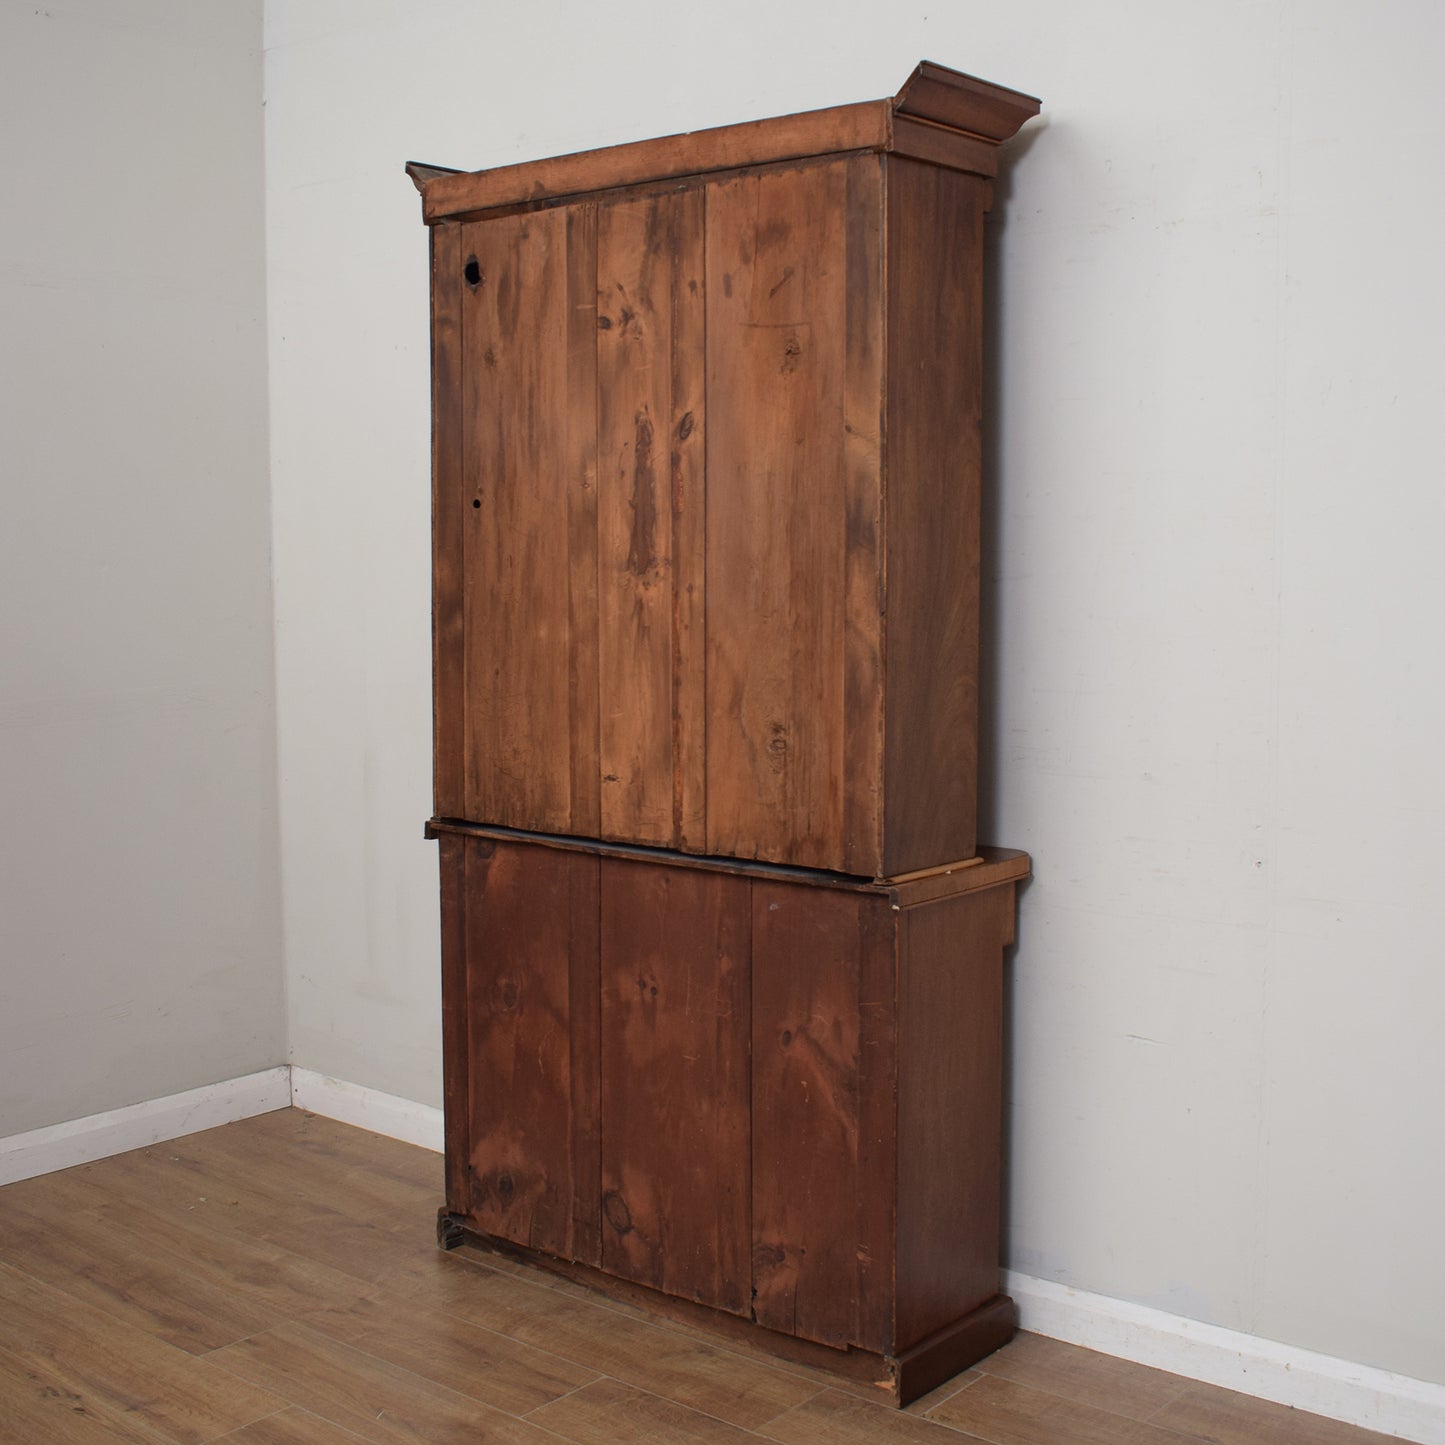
(900, 1380)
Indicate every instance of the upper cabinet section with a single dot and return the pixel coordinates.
(706, 484)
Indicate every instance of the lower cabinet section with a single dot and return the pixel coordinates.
(771, 1094)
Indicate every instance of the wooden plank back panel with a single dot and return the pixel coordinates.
(950, 1106)
(456, 1054)
(776, 516)
(448, 572)
(935, 390)
(649, 389)
(675, 1084)
(806, 1039)
(531, 927)
(516, 489)
(580, 427)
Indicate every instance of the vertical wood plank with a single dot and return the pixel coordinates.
(806, 1184)
(877, 1122)
(581, 481)
(776, 515)
(863, 578)
(675, 1080)
(636, 242)
(456, 1061)
(935, 391)
(950, 1106)
(528, 932)
(688, 462)
(448, 633)
(516, 330)
(585, 1038)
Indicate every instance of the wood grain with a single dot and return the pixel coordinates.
(806, 1185)
(531, 920)
(975, 114)
(776, 515)
(1225, 1417)
(1010, 1414)
(649, 403)
(456, 1057)
(822, 132)
(864, 422)
(935, 399)
(843, 1419)
(38, 1404)
(671, 1362)
(449, 711)
(358, 1222)
(950, 1107)
(75, 1349)
(580, 433)
(676, 1090)
(365, 1394)
(687, 462)
(877, 1124)
(515, 326)
(611, 1413)
(488, 1366)
(292, 1426)
(940, 146)
(963, 102)
(1086, 1377)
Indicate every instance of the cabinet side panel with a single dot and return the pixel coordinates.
(456, 1060)
(807, 1187)
(675, 1081)
(528, 935)
(776, 514)
(863, 429)
(950, 1107)
(448, 633)
(935, 386)
(877, 1123)
(515, 329)
(644, 433)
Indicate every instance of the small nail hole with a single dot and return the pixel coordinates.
(473, 272)
(476, 501)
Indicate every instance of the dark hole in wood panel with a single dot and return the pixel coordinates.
(473, 272)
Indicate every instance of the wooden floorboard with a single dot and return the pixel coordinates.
(276, 1281)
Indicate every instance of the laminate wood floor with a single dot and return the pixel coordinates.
(277, 1281)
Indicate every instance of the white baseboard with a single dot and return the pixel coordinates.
(387, 1114)
(97, 1136)
(1358, 1394)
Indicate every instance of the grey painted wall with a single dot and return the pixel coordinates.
(140, 939)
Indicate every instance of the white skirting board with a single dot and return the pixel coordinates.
(98, 1136)
(367, 1108)
(1358, 1394)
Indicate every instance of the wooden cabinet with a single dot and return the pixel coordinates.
(722, 999)
(762, 1092)
(707, 492)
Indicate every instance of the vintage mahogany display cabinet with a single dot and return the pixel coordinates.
(722, 957)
